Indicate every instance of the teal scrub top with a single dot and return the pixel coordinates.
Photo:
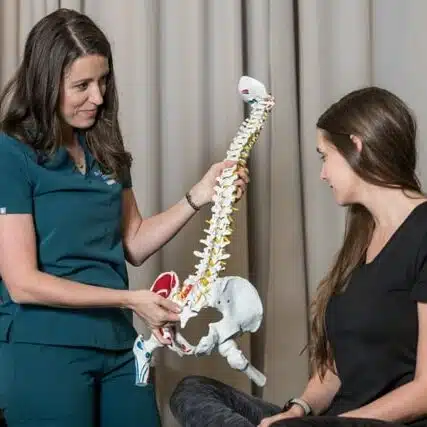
(77, 220)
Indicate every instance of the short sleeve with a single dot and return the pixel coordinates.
(419, 290)
(15, 185)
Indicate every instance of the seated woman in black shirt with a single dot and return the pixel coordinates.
(369, 323)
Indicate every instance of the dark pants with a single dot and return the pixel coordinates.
(50, 386)
(201, 401)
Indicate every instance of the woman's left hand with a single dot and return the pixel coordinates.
(203, 191)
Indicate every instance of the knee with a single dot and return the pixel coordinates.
(187, 384)
(186, 388)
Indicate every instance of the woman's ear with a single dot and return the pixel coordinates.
(357, 141)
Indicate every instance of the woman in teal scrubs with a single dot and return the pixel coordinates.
(68, 222)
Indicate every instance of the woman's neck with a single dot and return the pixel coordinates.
(390, 206)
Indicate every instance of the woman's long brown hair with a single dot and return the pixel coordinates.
(29, 102)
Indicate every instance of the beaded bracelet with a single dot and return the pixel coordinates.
(190, 201)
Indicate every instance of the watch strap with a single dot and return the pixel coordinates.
(301, 403)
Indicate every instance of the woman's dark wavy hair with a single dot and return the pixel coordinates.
(29, 104)
(387, 129)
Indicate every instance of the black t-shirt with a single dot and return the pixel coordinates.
(373, 324)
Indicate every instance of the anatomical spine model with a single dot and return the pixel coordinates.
(235, 297)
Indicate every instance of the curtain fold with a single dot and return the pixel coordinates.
(282, 278)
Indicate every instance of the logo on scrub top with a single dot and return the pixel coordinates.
(106, 178)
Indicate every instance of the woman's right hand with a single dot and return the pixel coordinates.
(154, 309)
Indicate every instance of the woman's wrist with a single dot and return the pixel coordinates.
(298, 406)
(190, 200)
(296, 411)
(197, 195)
(127, 299)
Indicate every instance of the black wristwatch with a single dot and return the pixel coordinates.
(301, 403)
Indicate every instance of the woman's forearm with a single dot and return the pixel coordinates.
(320, 392)
(406, 403)
(44, 289)
(156, 231)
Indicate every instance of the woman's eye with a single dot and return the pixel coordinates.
(82, 86)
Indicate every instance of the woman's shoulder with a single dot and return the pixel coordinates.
(416, 227)
(420, 211)
(13, 147)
